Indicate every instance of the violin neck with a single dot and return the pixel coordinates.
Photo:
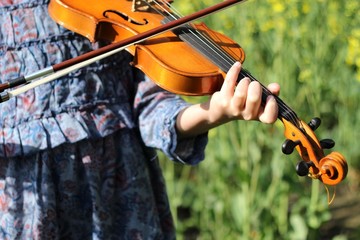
(285, 112)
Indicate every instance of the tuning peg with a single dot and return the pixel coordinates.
(327, 143)
(302, 168)
(314, 123)
(288, 146)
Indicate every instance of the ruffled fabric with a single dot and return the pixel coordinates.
(42, 133)
(167, 106)
(77, 107)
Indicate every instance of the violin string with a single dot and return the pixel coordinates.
(212, 48)
(211, 45)
(330, 198)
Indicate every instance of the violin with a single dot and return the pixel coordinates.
(115, 21)
(152, 32)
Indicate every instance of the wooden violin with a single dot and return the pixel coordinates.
(191, 73)
(191, 59)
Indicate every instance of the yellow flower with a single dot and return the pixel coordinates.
(305, 75)
(334, 25)
(294, 13)
(351, 7)
(305, 7)
(278, 7)
(267, 26)
(353, 55)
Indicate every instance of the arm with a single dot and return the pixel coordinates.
(232, 102)
(156, 111)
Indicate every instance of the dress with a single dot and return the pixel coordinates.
(77, 155)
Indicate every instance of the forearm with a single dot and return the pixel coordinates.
(195, 120)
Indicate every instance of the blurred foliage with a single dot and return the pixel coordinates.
(247, 188)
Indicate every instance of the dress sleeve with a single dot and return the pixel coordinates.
(156, 111)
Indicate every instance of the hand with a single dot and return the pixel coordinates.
(234, 101)
(242, 101)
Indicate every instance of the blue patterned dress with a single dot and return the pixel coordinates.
(77, 158)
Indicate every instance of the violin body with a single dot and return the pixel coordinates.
(167, 60)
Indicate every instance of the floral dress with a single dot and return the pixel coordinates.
(77, 155)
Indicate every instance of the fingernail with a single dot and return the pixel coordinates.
(271, 98)
(237, 64)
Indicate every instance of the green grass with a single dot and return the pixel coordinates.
(247, 188)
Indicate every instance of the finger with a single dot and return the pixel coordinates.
(253, 101)
(229, 84)
(274, 88)
(240, 95)
(270, 111)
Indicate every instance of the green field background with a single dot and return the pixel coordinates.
(247, 188)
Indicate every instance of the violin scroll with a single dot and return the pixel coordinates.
(333, 168)
(330, 169)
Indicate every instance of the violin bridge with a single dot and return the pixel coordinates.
(150, 5)
(133, 6)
